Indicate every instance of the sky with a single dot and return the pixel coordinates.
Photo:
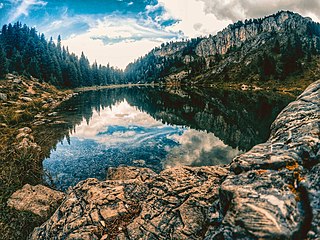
(120, 31)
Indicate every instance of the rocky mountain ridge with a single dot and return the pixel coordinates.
(252, 45)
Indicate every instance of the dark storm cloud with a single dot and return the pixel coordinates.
(240, 9)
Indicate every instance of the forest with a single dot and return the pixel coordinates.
(24, 51)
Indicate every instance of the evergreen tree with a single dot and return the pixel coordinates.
(33, 68)
(16, 64)
(3, 63)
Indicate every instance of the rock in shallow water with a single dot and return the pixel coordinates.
(270, 192)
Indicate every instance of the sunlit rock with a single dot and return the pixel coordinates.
(38, 199)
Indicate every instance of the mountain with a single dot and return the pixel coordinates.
(24, 51)
(282, 46)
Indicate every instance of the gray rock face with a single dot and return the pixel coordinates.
(235, 36)
(38, 199)
(181, 203)
(260, 204)
(270, 192)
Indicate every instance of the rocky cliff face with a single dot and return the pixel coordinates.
(235, 35)
(270, 192)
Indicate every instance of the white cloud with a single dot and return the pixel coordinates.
(193, 20)
(23, 7)
(1, 5)
(117, 40)
(241, 9)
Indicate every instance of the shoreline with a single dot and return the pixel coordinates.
(94, 88)
(242, 86)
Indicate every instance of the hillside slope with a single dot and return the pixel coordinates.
(282, 46)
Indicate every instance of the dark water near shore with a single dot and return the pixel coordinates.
(156, 128)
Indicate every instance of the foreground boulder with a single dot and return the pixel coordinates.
(177, 203)
(38, 199)
(270, 192)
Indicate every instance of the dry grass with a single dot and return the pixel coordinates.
(21, 166)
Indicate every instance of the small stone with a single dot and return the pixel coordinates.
(59, 122)
(27, 143)
(3, 97)
(17, 81)
(139, 162)
(26, 99)
(38, 123)
(19, 111)
(52, 114)
(25, 130)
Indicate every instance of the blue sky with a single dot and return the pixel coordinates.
(119, 31)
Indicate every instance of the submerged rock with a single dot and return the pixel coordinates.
(38, 199)
(270, 192)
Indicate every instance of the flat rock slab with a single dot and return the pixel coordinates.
(38, 199)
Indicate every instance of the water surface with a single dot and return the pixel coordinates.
(156, 128)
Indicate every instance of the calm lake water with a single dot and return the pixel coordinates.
(156, 128)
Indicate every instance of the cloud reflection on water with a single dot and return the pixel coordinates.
(199, 148)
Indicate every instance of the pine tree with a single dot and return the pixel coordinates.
(16, 64)
(33, 68)
(3, 63)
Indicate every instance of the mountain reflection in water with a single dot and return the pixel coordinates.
(156, 128)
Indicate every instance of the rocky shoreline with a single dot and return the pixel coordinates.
(270, 192)
(27, 105)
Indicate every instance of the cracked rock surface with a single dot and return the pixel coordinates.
(38, 199)
(270, 192)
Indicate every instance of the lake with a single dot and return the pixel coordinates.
(156, 128)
